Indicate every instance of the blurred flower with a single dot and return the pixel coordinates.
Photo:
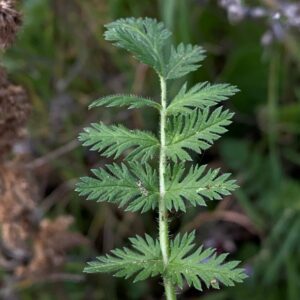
(291, 12)
(267, 38)
(279, 19)
(258, 12)
(235, 11)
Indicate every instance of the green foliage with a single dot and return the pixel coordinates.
(116, 139)
(136, 186)
(200, 265)
(202, 95)
(142, 262)
(195, 186)
(147, 40)
(236, 59)
(195, 131)
(125, 100)
(183, 60)
(144, 38)
(187, 124)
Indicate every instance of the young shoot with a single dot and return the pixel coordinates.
(153, 175)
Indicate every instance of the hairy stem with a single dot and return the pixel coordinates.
(163, 215)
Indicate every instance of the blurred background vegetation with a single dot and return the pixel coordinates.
(62, 60)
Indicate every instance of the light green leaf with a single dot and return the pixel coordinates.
(135, 187)
(183, 60)
(116, 139)
(202, 95)
(142, 262)
(195, 186)
(125, 100)
(195, 131)
(197, 266)
(145, 260)
(145, 38)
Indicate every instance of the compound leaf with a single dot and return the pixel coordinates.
(145, 38)
(195, 131)
(142, 262)
(195, 186)
(115, 139)
(197, 266)
(131, 101)
(202, 95)
(183, 60)
(135, 187)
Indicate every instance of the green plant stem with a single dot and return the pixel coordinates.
(163, 215)
(273, 91)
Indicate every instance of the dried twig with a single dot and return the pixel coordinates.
(221, 215)
(57, 195)
(63, 150)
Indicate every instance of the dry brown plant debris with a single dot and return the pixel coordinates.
(18, 213)
(10, 21)
(50, 245)
(14, 112)
(30, 245)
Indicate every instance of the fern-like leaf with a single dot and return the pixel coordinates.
(143, 261)
(186, 125)
(197, 266)
(183, 60)
(195, 131)
(131, 101)
(202, 95)
(135, 187)
(195, 186)
(144, 38)
(114, 140)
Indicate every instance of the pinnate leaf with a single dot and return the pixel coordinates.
(144, 38)
(183, 60)
(195, 186)
(135, 186)
(131, 101)
(116, 139)
(143, 261)
(198, 266)
(195, 131)
(202, 95)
